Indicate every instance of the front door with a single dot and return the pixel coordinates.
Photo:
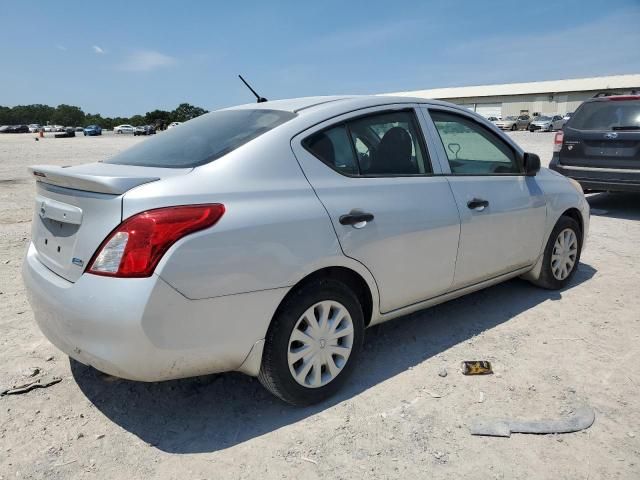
(372, 172)
(503, 212)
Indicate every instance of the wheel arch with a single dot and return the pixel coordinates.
(575, 214)
(355, 276)
(350, 278)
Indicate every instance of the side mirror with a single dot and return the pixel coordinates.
(531, 164)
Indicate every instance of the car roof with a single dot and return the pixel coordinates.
(345, 102)
(614, 98)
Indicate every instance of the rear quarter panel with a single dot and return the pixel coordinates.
(274, 232)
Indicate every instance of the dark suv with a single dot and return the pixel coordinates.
(600, 144)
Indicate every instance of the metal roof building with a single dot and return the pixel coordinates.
(548, 97)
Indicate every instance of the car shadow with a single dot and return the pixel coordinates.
(625, 206)
(215, 412)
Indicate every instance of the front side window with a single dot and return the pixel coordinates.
(384, 144)
(471, 149)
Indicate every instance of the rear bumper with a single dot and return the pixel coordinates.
(616, 180)
(143, 329)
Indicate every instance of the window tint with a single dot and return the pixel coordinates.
(607, 115)
(202, 139)
(333, 147)
(471, 149)
(383, 144)
(389, 144)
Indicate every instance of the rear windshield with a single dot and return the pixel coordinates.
(202, 139)
(607, 115)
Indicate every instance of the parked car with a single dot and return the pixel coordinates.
(547, 123)
(124, 129)
(92, 130)
(79, 129)
(34, 128)
(507, 123)
(189, 257)
(600, 144)
(15, 129)
(145, 130)
(67, 133)
(523, 122)
(494, 119)
(48, 128)
(57, 128)
(174, 124)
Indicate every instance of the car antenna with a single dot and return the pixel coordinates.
(258, 97)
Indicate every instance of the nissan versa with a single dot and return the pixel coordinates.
(265, 238)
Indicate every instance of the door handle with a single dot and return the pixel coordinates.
(356, 218)
(477, 204)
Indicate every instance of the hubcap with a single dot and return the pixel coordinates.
(565, 252)
(320, 344)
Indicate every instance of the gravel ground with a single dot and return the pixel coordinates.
(552, 352)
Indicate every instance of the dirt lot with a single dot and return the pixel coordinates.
(552, 352)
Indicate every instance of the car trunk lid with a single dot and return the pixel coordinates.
(77, 207)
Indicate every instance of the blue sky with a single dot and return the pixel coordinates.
(124, 57)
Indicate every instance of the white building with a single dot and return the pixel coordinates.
(548, 97)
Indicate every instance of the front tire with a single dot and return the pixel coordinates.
(561, 255)
(312, 343)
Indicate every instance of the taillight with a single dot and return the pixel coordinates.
(557, 141)
(137, 245)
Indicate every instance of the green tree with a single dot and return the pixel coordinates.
(159, 118)
(137, 120)
(68, 115)
(185, 112)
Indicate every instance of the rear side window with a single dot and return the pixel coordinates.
(202, 139)
(607, 115)
(333, 147)
(383, 144)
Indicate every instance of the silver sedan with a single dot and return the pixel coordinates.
(265, 238)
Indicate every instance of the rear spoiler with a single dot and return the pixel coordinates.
(95, 181)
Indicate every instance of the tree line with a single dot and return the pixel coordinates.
(72, 116)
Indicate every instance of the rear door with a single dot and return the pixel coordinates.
(372, 172)
(503, 212)
(603, 134)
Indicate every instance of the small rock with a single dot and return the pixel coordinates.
(101, 436)
(438, 455)
(571, 390)
(631, 434)
(443, 372)
(481, 397)
(79, 436)
(50, 358)
(34, 371)
(532, 388)
(511, 388)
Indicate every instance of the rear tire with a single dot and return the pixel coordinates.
(561, 255)
(514, 127)
(324, 319)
